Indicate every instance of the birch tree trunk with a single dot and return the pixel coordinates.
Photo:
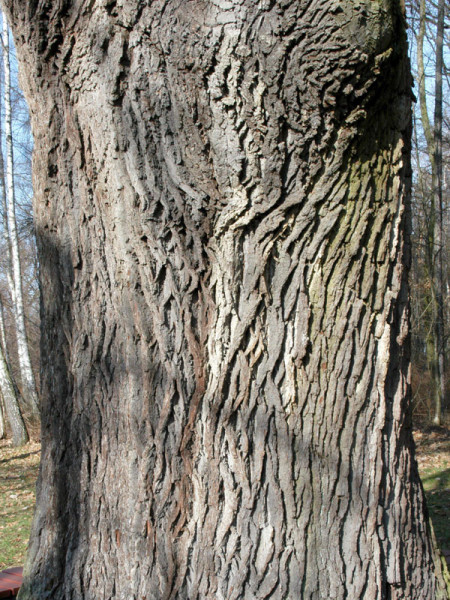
(15, 277)
(221, 206)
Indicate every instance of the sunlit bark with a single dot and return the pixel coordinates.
(221, 205)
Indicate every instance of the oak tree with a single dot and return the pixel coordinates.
(221, 207)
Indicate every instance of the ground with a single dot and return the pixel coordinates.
(18, 473)
(19, 469)
(433, 456)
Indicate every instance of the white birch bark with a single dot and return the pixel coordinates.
(6, 237)
(26, 372)
(3, 343)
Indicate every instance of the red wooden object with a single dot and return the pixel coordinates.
(10, 582)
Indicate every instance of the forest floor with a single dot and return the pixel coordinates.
(433, 457)
(18, 472)
(19, 469)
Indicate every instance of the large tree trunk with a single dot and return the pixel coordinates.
(220, 193)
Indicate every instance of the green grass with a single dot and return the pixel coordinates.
(18, 473)
(436, 482)
(433, 456)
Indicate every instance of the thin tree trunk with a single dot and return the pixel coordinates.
(221, 208)
(439, 220)
(2, 419)
(3, 333)
(434, 237)
(421, 78)
(7, 241)
(26, 371)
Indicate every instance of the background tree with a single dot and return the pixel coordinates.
(18, 266)
(14, 267)
(221, 204)
(430, 218)
(2, 420)
(11, 403)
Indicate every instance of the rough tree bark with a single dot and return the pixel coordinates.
(220, 199)
(10, 395)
